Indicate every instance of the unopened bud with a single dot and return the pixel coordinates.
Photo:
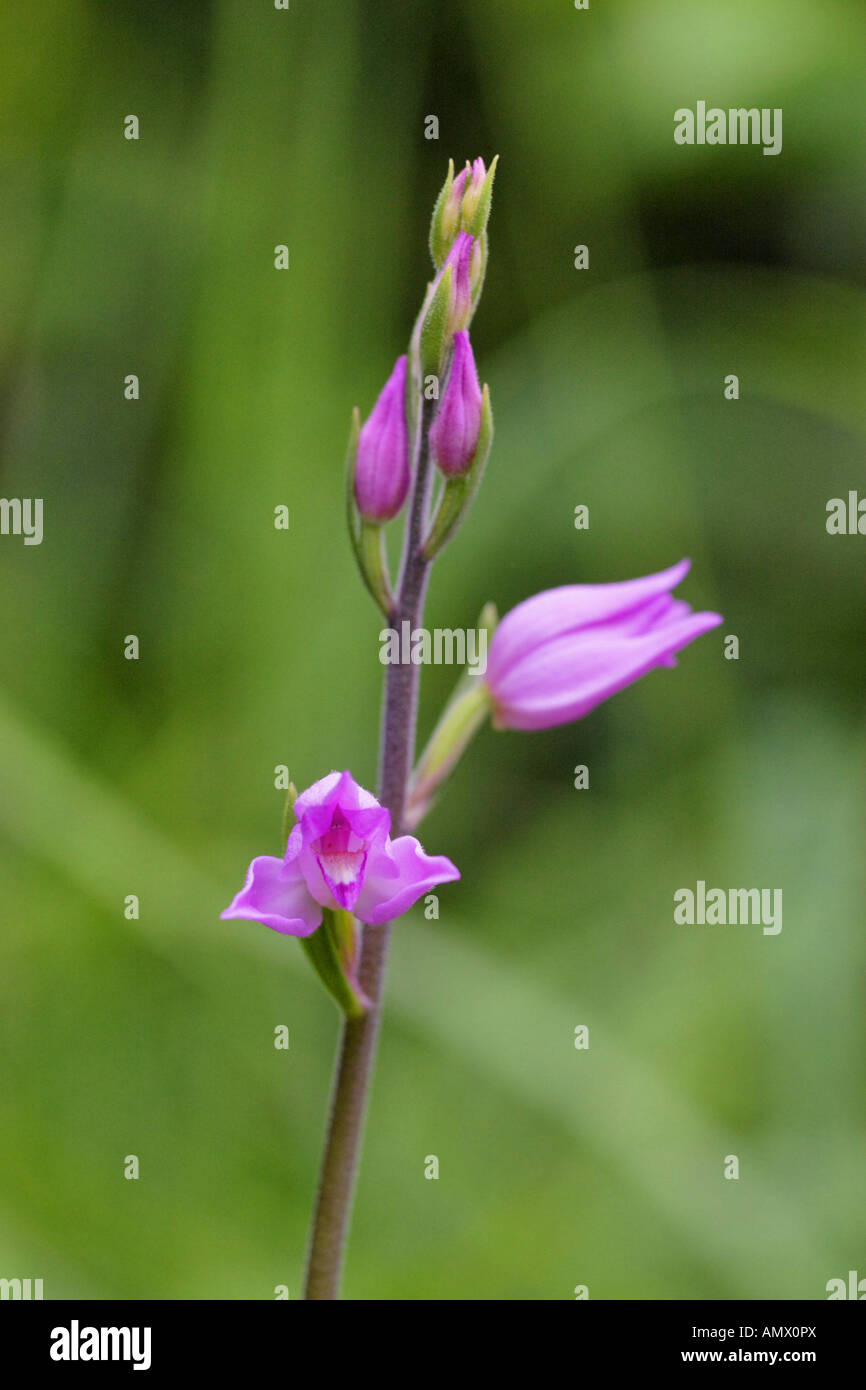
(382, 463)
(460, 260)
(455, 429)
(447, 308)
(463, 205)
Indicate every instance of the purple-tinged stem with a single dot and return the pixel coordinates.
(359, 1038)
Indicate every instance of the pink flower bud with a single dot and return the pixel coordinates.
(556, 656)
(459, 259)
(382, 462)
(454, 432)
(463, 205)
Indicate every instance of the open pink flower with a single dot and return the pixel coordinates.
(339, 855)
(556, 656)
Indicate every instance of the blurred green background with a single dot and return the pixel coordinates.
(259, 647)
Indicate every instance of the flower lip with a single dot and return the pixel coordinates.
(342, 858)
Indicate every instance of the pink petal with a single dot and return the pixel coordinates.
(277, 896)
(397, 876)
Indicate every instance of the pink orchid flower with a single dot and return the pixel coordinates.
(339, 856)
